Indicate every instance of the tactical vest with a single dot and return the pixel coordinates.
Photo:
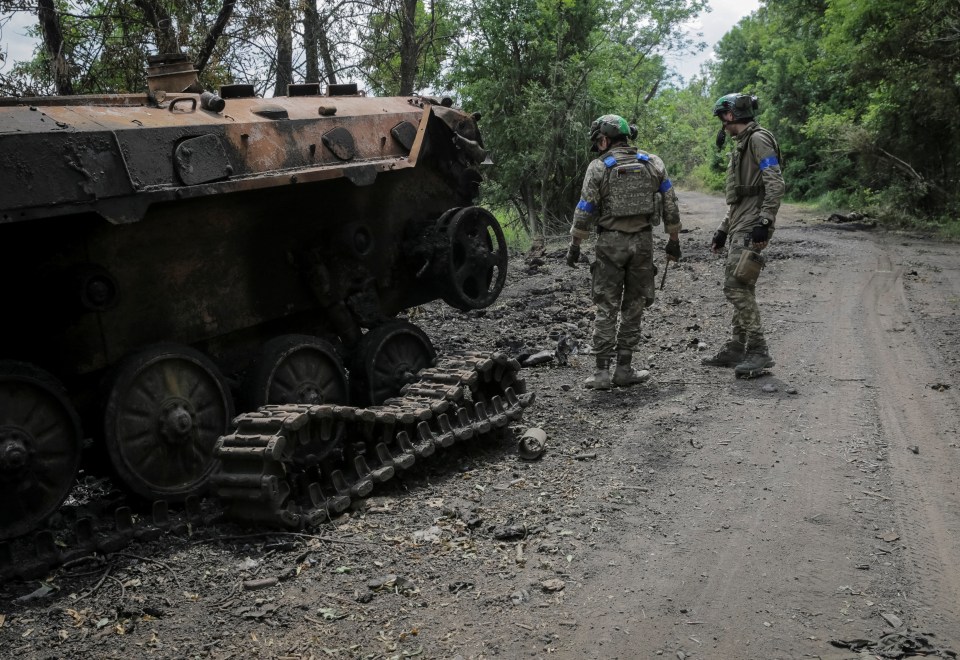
(736, 189)
(632, 182)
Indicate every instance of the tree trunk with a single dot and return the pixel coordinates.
(534, 225)
(210, 42)
(159, 19)
(311, 29)
(53, 44)
(323, 43)
(409, 49)
(284, 47)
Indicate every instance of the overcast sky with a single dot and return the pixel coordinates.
(724, 15)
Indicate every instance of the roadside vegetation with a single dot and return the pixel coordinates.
(863, 96)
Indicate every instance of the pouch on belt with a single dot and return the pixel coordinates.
(748, 268)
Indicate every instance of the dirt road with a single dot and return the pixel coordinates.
(696, 516)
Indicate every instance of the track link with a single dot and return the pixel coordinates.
(295, 466)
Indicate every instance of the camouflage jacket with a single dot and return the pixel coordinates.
(754, 180)
(620, 192)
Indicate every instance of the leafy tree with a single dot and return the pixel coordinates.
(405, 44)
(542, 71)
(862, 96)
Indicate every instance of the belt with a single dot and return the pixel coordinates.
(604, 230)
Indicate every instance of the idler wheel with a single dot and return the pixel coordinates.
(387, 358)
(296, 369)
(476, 262)
(40, 445)
(167, 406)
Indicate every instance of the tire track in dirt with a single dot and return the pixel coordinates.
(926, 496)
(752, 567)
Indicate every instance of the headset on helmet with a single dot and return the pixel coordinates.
(743, 106)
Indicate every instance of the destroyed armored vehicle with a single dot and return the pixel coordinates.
(170, 259)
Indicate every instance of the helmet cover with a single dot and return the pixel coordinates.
(743, 106)
(611, 126)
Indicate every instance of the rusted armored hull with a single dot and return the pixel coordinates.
(150, 248)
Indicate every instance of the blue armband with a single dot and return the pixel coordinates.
(609, 161)
(768, 162)
(586, 207)
(665, 186)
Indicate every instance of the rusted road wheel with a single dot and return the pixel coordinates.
(39, 447)
(296, 369)
(167, 406)
(388, 357)
(476, 265)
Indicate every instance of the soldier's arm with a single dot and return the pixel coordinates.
(671, 207)
(765, 153)
(588, 208)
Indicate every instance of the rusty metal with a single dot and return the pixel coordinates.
(150, 239)
(299, 465)
(39, 447)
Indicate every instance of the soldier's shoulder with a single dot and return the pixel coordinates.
(762, 135)
(596, 164)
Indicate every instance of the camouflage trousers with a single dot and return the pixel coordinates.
(623, 285)
(747, 326)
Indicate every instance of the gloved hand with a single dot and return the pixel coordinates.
(673, 250)
(573, 255)
(761, 233)
(719, 239)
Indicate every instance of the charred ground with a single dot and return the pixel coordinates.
(693, 516)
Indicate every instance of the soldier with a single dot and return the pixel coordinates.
(753, 193)
(620, 198)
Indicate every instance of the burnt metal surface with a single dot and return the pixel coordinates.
(293, 466)
(202, 159)
(39, 447)
(218, 225)
(340, 141)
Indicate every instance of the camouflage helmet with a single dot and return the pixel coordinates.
(743, 106)
(612, 126)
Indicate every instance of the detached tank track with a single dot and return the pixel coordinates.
(294, 466)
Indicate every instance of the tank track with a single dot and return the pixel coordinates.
(295, 466)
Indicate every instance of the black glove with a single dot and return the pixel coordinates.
(673, 249)
(573, 255)
(761, 233)
(719, 239)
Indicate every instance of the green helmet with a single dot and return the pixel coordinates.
(612, 126)
(743, 106)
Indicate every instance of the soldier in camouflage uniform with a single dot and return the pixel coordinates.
(621, 193)
(753, 193)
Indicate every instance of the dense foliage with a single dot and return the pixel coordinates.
(539, 71)
(863, 96)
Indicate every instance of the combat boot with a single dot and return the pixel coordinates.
(624, 375)
(601, 379)
(730, 355)
(755, 361)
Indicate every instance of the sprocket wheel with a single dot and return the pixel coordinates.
(40, 446)
(476, 266)
(387, 358)
(168, 404)
(296, 369)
